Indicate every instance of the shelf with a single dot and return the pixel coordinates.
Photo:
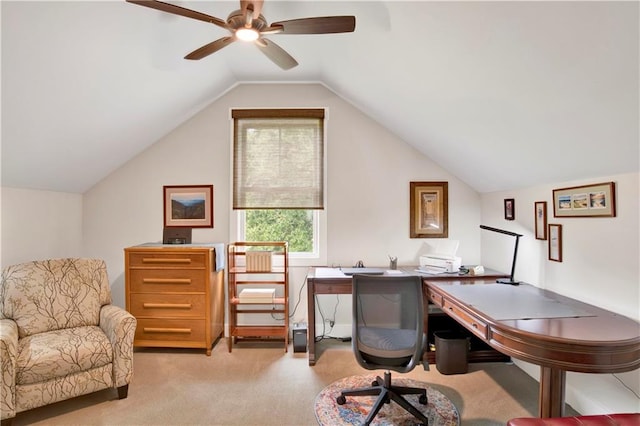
(275, 301)
(271, 255)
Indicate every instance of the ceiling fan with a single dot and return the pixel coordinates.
(247, 24)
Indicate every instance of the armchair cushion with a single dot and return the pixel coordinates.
(59, 353)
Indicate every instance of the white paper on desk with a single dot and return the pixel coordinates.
(329, 273)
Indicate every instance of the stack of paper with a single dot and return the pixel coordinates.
(257, 295)
(258, 261)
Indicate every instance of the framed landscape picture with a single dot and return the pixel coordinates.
(429, 210)
(597, 200)
(189, 206)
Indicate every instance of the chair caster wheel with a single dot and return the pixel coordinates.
(341, 400)
(423, 399)
(375, 383)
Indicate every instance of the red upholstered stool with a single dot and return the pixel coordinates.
(597, 420)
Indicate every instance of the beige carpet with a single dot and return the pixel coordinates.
(260, 384)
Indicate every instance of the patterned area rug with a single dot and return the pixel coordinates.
(440, 410)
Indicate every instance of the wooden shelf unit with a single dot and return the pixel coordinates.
(275, 274)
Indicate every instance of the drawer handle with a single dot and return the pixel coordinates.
(156, 260)
(474, 325)
(167, 330)
(167, 305)
(167, 280)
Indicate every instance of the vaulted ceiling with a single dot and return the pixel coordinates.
(501, 94)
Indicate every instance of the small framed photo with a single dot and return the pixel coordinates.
(597, 200)
(540, 214)
(509, 209)
(428, 210)
(555, 242)
(188, 206)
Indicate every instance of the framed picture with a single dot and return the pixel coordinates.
(188, 206)
(555, 242)
(540, 215)
(429, 210)
(597, 200)
(509, 209)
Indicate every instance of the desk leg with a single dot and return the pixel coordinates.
(311, 317)
(551, 398)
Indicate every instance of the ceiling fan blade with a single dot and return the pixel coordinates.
(276, 53)
(318, 25)
(210, 48)
(177, 10)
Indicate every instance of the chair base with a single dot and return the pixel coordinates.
(386, 393)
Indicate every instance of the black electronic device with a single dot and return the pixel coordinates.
(362, 270)
(299, 338)
(176, 235)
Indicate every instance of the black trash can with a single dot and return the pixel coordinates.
(452, 350)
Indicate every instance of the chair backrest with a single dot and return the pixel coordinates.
(388, 321)
(54, 294)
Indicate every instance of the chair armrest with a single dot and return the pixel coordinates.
(120, 327)
(8, 360)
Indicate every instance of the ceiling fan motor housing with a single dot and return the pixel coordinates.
(237, 20)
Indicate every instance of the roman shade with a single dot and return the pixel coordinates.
(278, 157)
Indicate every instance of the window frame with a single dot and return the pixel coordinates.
(318, 256)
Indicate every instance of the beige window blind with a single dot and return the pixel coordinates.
(278, 157)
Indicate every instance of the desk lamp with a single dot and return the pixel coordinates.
(515, 254)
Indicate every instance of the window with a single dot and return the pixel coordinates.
(278, 176)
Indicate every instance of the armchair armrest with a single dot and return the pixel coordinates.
(8, 360)
(120, 327)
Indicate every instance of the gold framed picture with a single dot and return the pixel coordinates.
(188, 206)
(429, 210)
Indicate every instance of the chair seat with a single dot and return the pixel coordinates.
(386, 343)
(45, 356)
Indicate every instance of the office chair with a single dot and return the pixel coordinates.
(388, 334)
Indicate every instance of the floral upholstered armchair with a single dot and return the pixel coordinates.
(60, 337)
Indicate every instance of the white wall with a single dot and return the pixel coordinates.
(599, 266)
(369, 170)
(39, 225)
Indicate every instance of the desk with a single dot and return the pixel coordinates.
(592, 341)
(597, 341)
(324, 284)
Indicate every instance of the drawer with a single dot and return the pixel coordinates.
(434, 296)
(470, 321)
(167, 280)
(175, 330)
(167, 305)
(174, 259)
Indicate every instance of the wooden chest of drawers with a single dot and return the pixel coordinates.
(176, 293)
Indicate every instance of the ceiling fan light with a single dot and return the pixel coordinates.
(247, 34)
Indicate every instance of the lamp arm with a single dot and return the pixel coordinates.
(515, 253)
